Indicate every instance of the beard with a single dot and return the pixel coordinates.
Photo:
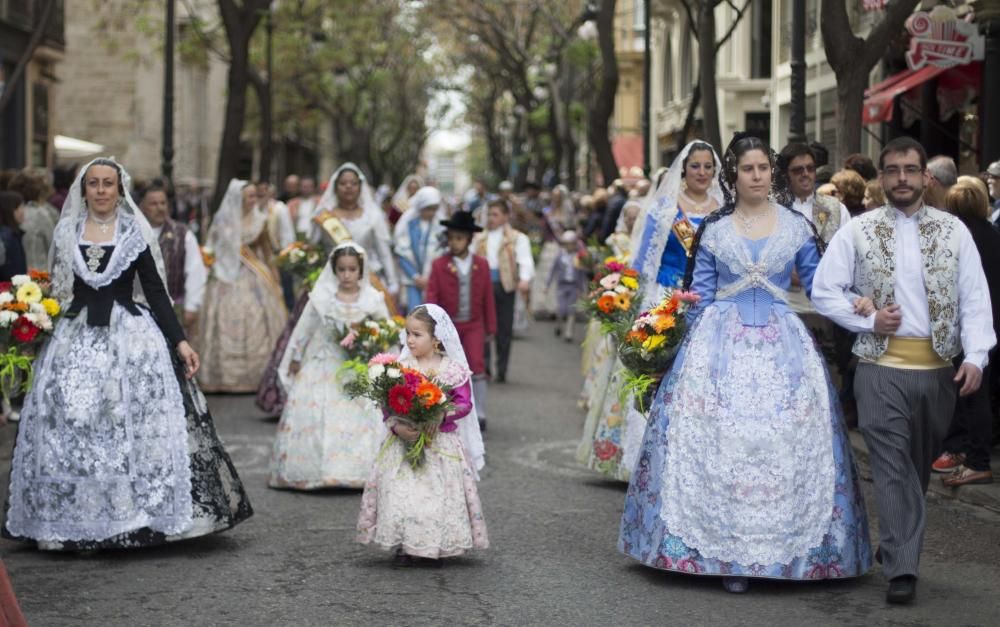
(904, 196)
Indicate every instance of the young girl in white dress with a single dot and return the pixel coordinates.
(433, 511)
(325, 438)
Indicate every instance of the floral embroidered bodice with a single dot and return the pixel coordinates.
(753, 275)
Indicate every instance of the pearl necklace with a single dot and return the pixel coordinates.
(748, 222)
(697, 208)
(104, 226)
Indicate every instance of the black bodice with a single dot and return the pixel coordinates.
(100, 302)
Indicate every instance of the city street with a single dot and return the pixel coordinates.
(553, 561)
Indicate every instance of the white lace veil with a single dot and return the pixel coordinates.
(468, 427)
(324, 293)
(66, 238)
(328, 201)
(226, 236)
(401, 199)
(656, 220)
(323, 298)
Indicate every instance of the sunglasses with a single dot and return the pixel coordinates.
(799, 170)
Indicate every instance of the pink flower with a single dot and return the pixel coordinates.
(687, 297)
(611, 281)
(348, 340)
(615, 266)
(382, 359)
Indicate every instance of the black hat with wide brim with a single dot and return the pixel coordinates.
(462, 221)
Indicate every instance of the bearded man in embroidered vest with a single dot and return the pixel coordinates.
(182, 260)
(512, 267)
(929, 302)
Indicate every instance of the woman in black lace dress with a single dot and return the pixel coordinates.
(116, 446)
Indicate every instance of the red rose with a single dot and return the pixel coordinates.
(6, 286)
(605, 450)
(24, 330)
(400, 399)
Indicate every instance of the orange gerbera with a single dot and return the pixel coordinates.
(623, 302)
(631, 272)
(606, 303)
(429, 394)
(39, 276)
(662, 323)
(637, 337)
(13, 306)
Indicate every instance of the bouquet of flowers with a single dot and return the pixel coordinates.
(590, 258)
(369, 337)
(407, 395)
(611, 296)
(303, 260)
(27, 317)
(651, 343)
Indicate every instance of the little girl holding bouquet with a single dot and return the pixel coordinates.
(429, 509)
(326, 438)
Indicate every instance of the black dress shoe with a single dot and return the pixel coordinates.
(878, 555)
(501, 378)
(902, 589)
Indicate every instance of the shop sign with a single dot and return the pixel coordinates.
(939, 38)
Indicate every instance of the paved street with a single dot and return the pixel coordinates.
(553, 560)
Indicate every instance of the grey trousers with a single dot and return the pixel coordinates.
(903, 416)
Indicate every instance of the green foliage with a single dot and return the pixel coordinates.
(368, 74)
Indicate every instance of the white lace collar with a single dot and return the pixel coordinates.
(128, 245)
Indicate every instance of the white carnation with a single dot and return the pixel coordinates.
(20, 279)
(36, 308)
(44, 322)
(621, 289)
(394, 373)
(376, 371)
(7, 318)
(6, 297)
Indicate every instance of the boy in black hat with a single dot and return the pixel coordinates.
(461, 284)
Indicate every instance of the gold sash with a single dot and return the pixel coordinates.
(911, 353)
(332, 226)
(263, 271)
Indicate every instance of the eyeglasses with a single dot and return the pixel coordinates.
(894, 171)
(799, 170)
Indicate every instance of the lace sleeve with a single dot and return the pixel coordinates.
(159, 301)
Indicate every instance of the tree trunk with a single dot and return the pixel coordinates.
(682, 139)
(851, 87)
(232, 129)
(853, 58)
(604, 101)
(706, 73)
(240, 21)
(261, 88)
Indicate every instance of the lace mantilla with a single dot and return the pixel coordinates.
(128, 244)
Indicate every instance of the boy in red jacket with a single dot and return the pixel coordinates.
(461, 284)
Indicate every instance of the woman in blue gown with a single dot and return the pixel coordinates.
(661, 240)
(745, 469)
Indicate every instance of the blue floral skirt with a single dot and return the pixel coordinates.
(745, 467)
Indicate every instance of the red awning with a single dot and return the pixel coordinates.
(628, 152)
(879, 97)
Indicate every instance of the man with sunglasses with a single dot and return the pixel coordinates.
(826, 213)
(798, 162)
